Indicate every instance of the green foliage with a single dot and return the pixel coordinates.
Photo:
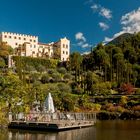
(11, 90)
(64, 88)
(101, 88)
(85, 83)
(62, 70)
(5, 51)
(67, 77)
(56, 77)
(29, 68)
(41, 68)
(75, 64)
(45, 78)
(2, 62)
(33, 77)
(138, 91)
(123, 100)
(39, 63)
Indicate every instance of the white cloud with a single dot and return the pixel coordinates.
(107, 13)
(85, 45)
(81, 40)
(131, 21)
(87, 52)
(107, 39)
(103, 26)
(80, 43)
(130, 24)
(89, 1)
(80, 36)
(94, 7)
(104, 12)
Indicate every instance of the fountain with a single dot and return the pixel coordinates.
(51, 120)
(49, 106)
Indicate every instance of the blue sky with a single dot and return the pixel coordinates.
(84, 22)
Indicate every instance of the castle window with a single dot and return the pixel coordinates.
(34, 40)
(30, 40)
(16, 44)
(63, 45)
(5, 36)
(24, 38)
(10, 37)
(15, 37)
(63, 52)
(67, 52)
(19, 38)
(67, 46)
(63, 59)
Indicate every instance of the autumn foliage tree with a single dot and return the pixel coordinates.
(126, 88)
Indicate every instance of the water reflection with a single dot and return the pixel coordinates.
(118, 130)
(104, 130)
(78, 134)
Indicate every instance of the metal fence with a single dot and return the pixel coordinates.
(49, 117)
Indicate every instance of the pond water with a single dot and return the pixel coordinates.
(104, 130)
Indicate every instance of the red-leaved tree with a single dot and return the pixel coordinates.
(126, 88)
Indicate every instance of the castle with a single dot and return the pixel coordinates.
(27, 45)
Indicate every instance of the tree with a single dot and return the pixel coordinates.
(90, 80)
(103, 88)
(75, 63)
(5, 51)
(119, 60)
(12, 91)
(126, 89)
(102, 59)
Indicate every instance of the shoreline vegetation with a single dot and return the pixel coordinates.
(127, 115)
(107, 80)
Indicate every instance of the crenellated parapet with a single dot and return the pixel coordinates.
(17, 34)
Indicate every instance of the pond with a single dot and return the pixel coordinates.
(104, 130)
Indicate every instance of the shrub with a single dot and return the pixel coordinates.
(2, 62)
(102, 88)
(67, 76)
(62, 70)
(65, 88)
(40, 68)
(45, 78)
(138, 91)
(56, 77)
(126, 88)
(136, 108)
(35, 62)
(34, 77)
(29, 68)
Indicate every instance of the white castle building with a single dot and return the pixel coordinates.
(27, 45)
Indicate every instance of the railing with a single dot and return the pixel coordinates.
(50, 117)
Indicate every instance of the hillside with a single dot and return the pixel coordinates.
(120, 39)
